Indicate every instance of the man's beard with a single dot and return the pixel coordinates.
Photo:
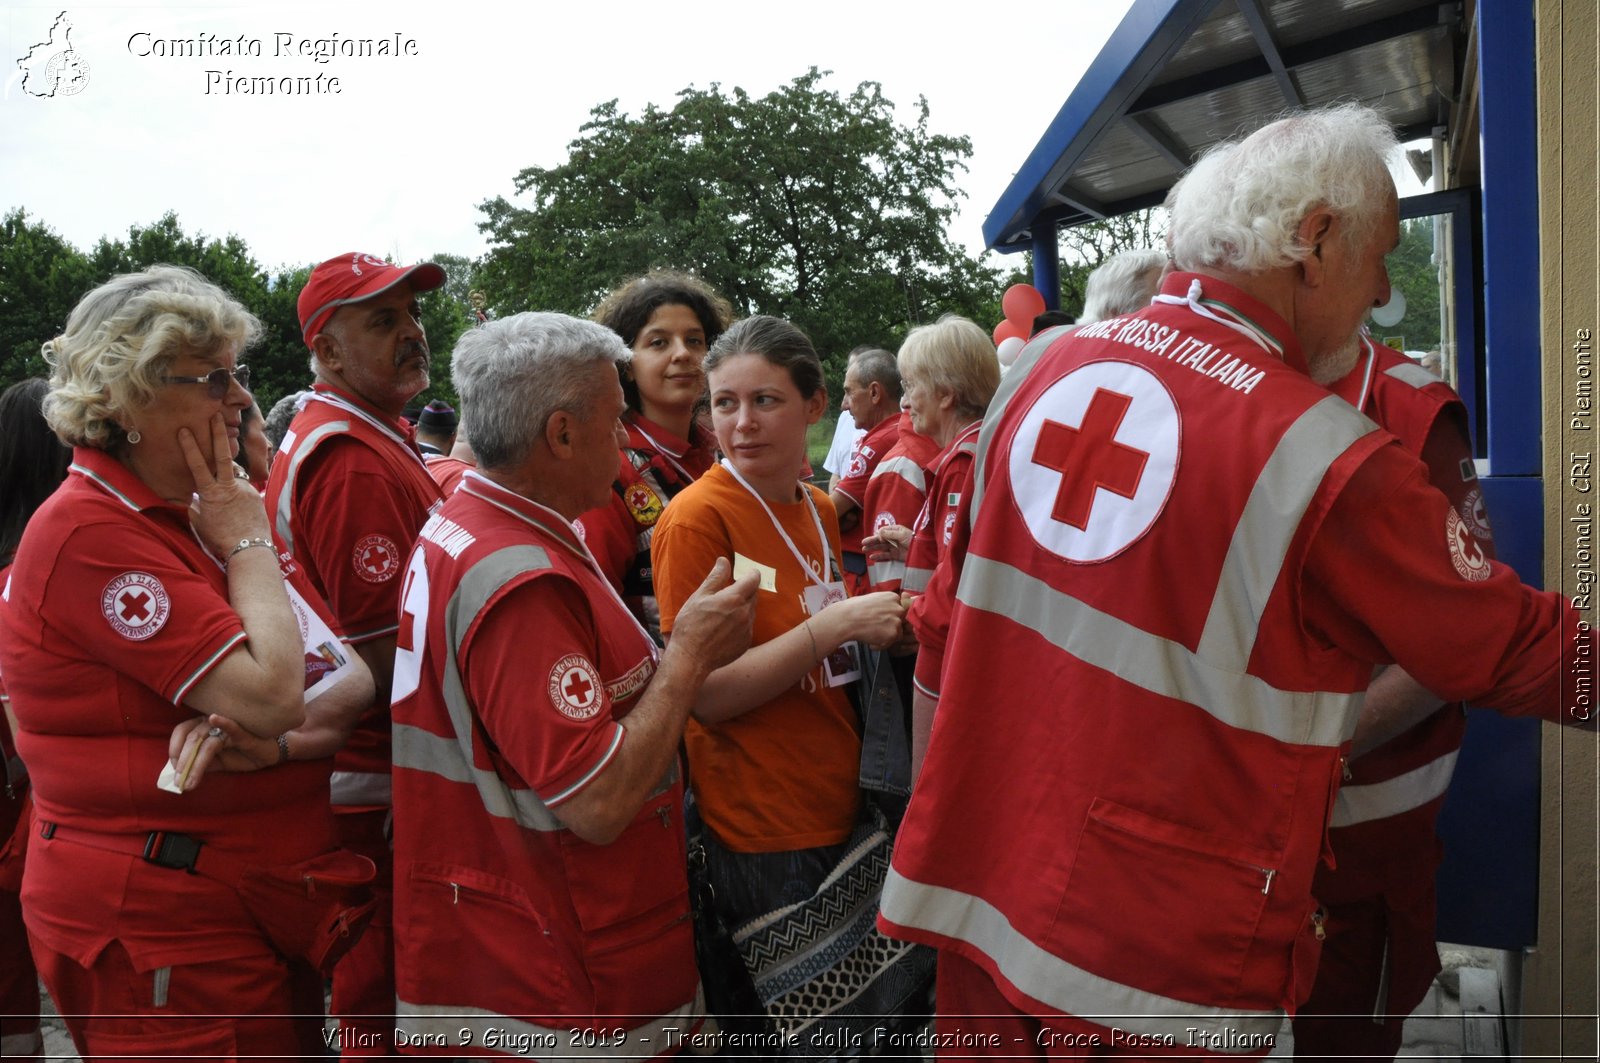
(1336, 364)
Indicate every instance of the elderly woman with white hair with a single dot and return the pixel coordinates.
(1122, 284)
(149, 640)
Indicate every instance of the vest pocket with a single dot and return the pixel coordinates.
(632, 902)
(1163, 907)
(458, 919)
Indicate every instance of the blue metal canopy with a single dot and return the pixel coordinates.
(1180, 75)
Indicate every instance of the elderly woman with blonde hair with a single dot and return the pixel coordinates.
(950, 372)
(150, 640)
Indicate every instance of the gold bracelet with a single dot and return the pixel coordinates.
(815, 655)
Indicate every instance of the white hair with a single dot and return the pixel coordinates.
(512, 374)
(1240, 207)
(1122, 284)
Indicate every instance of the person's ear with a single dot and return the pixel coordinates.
(327, 350)
(815, 405)
(558, 433)
(1316, 231)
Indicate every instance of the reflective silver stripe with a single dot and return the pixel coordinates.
(1059, 984)
(361, 788)
(1268, 525)
(1380, 800)
(903, 467)
(302, 451)
(916, 580)
(451, 757)
(443, 1025)
(884, 571)
(1413, 374)
(1156, 664)
(424, 751)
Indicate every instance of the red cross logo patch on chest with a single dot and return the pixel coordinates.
(136, 605)
(1094, 459)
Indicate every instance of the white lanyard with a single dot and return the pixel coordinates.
(663, 451)
(340, 403)
(582, 550)
(1192, 301)
(827, 555)
(1366, 380)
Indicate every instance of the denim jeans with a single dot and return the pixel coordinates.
(749, 885)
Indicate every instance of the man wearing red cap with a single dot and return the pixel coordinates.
(348, 494)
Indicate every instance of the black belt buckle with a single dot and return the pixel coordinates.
(175, 851)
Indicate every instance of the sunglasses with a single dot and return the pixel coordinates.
(216, 381)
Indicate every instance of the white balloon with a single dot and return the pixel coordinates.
(1389, 314)
(1009, 348)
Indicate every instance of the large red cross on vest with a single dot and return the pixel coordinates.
(1089, 457)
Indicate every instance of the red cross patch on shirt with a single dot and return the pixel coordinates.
(136, 605)
(575, 687)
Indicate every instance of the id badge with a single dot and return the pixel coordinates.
(842, 666)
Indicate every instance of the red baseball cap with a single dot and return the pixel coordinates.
(355, 278)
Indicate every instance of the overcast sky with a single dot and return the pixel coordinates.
(397, 161)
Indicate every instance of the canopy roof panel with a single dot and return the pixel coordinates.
(1179, 75)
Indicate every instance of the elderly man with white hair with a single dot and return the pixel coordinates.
(1122, 284)
(1185, 558)
(539, 841)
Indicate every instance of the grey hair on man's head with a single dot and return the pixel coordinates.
(1122, 284)
(1240, 207)
(874, 365)
(512, 374)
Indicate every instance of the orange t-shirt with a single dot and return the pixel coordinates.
(783, 775)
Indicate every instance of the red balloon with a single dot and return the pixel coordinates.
(1009, 328)
(1022, 303)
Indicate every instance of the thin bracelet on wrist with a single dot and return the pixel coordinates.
(245, 544)
(283, 748)
(815, 655)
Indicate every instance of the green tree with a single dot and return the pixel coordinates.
(41, 279)
(1413, 273)
(806, 203)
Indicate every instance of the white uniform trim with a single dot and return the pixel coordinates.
(361, 788)
(1055, 982)
(1380, 800)
(444, 1024)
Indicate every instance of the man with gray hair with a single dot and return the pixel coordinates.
(539, 840)
(872, 398)
(1185, 558)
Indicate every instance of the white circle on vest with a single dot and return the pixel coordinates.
(1093, 461)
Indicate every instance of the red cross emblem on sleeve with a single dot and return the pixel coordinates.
(376, 559)
(574, 687)
(1094, 459)
(136, 605)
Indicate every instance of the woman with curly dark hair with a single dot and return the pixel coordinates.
(668, 320)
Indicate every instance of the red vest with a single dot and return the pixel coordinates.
(512, 922)
(361, 767)
(1383, 820)
(1138, 740)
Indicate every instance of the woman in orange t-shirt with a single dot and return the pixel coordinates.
(774, 744)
